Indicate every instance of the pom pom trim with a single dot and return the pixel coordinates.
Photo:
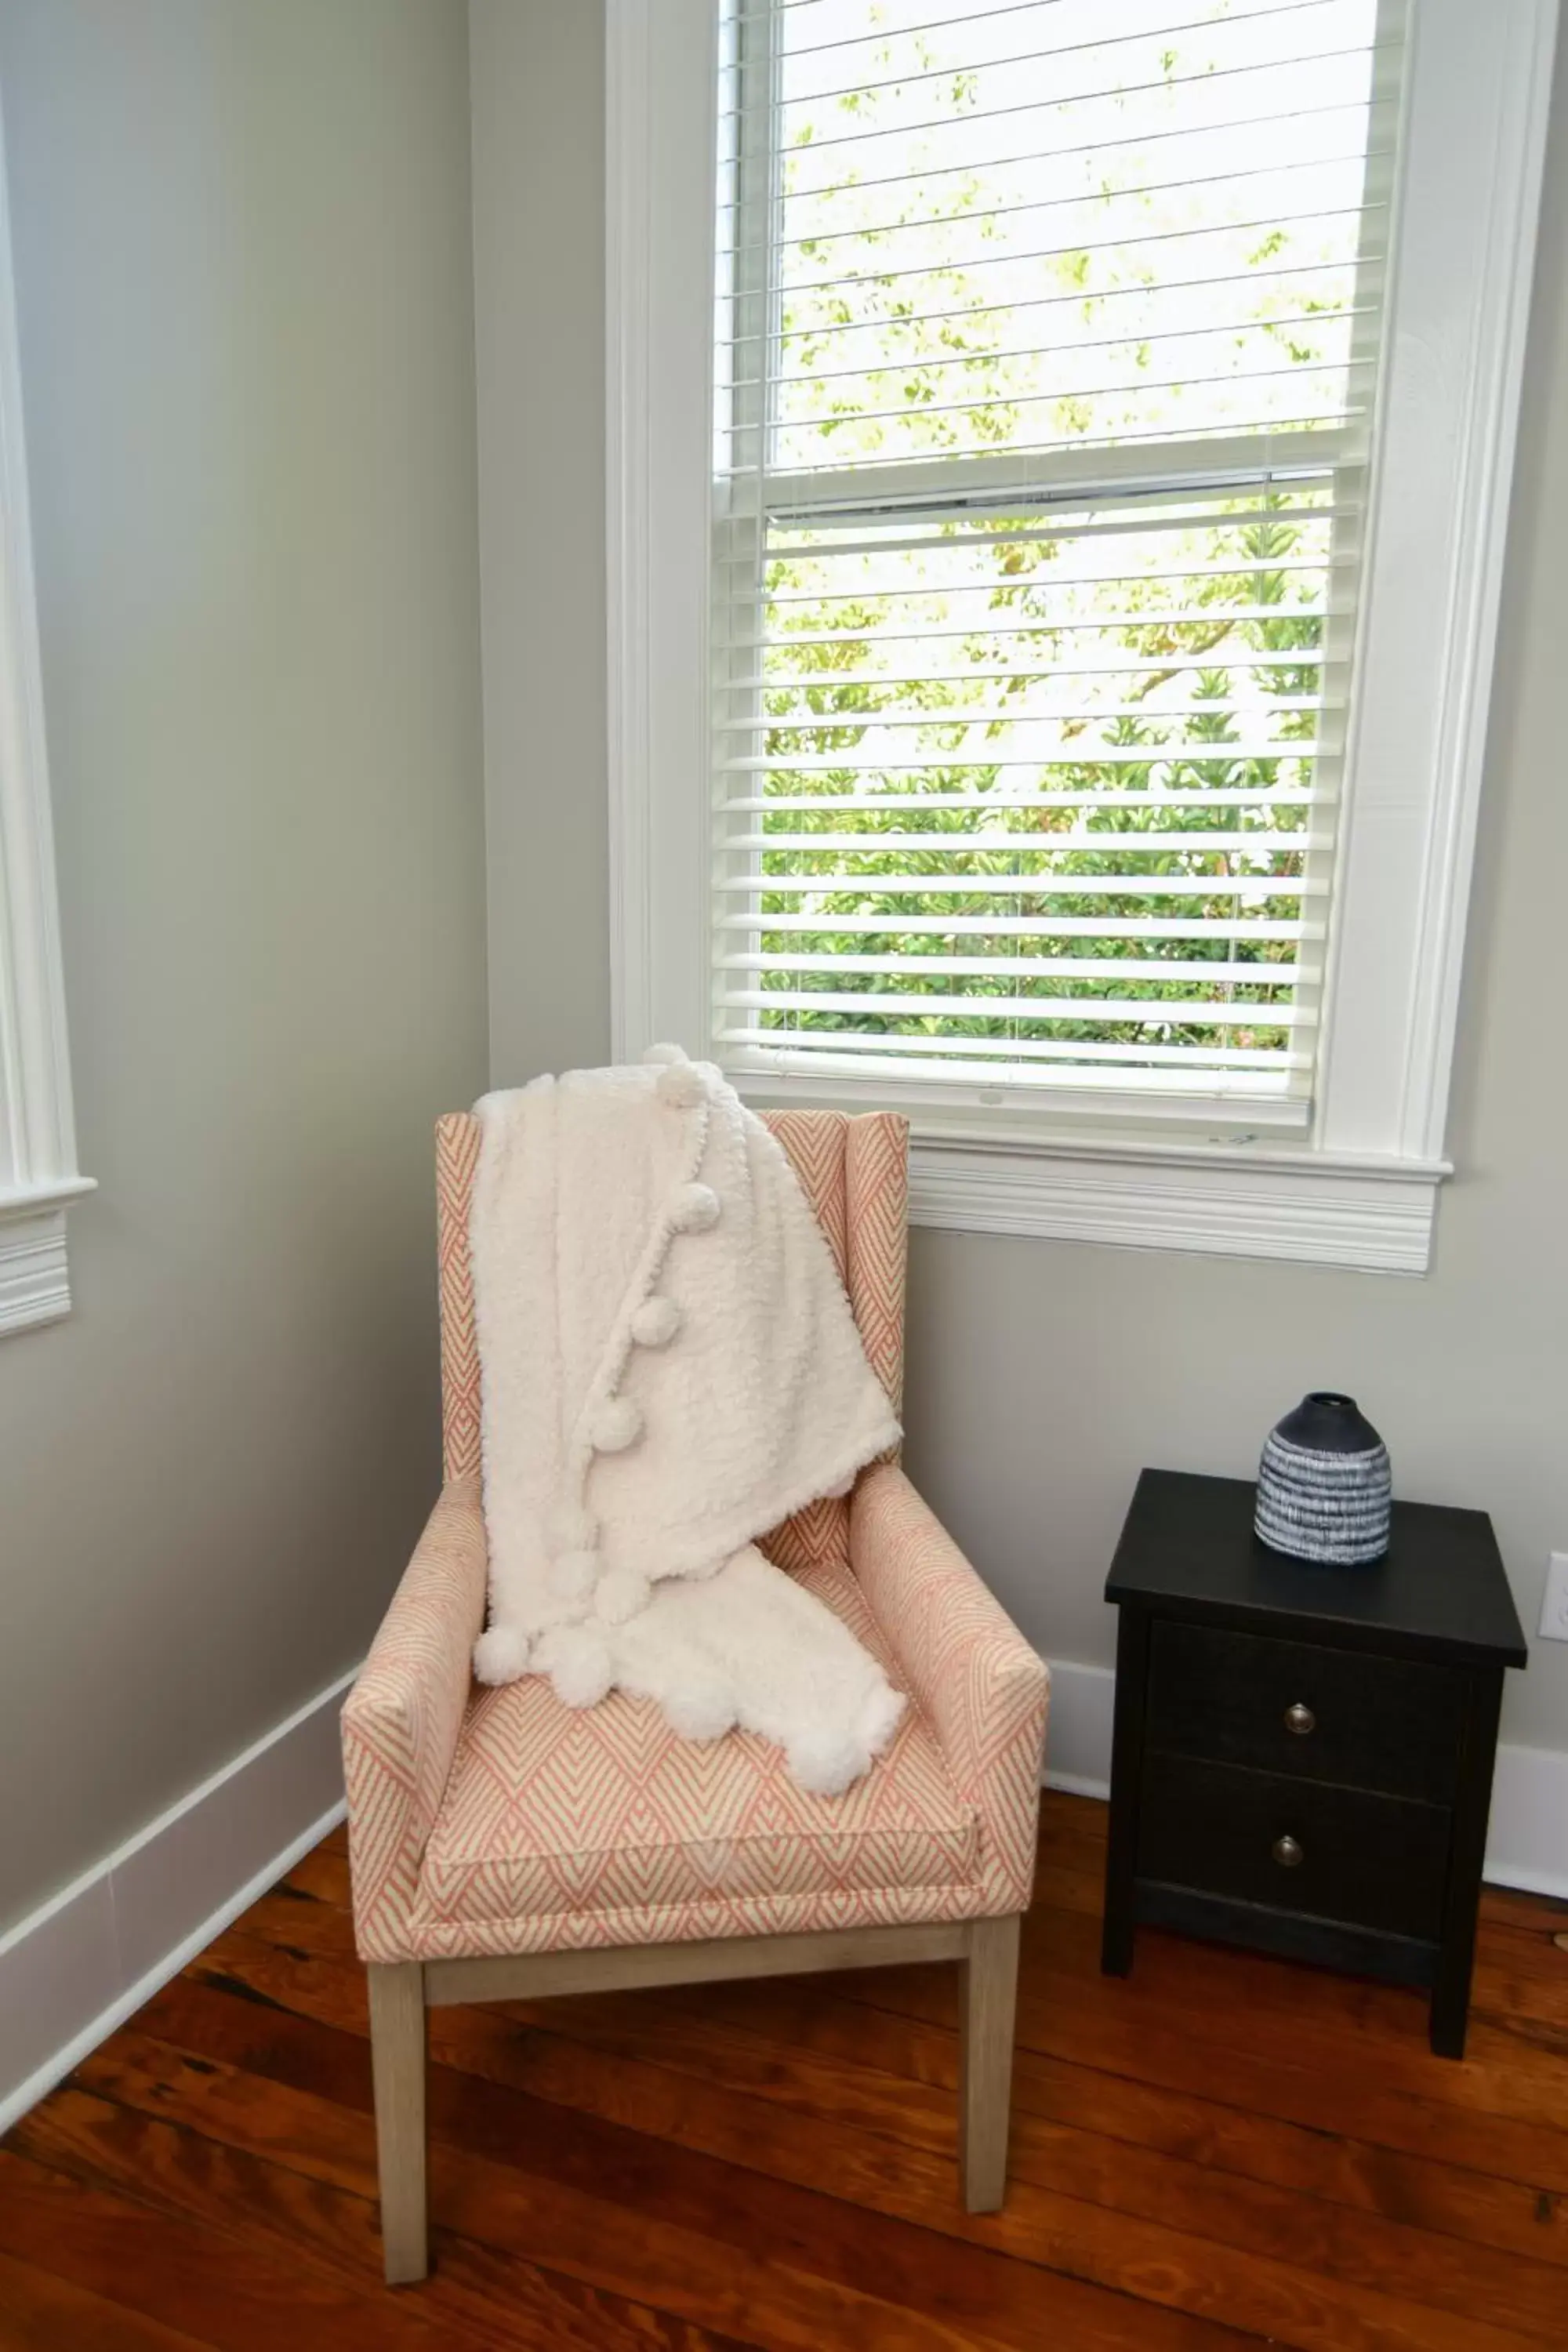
(694, 1209)
(501, 1655)
(617, 1425)
(577, 1660)
(681, 1086)
(655, 1322)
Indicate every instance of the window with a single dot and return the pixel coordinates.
(37, 1150)
(1027, 622)
(1046, 363)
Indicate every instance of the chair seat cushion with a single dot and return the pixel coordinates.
(562, 1828)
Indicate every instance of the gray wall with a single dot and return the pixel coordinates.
(243, 248)
(539, 230)
(1043, 1374)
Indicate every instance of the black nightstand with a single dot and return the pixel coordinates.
(1302, 1759)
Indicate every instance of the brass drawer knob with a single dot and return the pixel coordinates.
(1300, 1719)
(1287, 1852)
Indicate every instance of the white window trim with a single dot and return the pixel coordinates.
(38, 1172)
(1362, 1190)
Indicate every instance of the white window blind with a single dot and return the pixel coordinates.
(1045, 357)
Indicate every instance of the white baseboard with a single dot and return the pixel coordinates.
(1527, 1845)
(77, 1967)
(1078, 1742)
(1528, 1841)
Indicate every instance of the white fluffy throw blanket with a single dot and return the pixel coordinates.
(669, 1367)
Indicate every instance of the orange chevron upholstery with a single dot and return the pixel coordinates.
(404, 1714)
(498, 1821)
(559, 1824)
(979, 1684)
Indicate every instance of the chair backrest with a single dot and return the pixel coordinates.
(855, 1173)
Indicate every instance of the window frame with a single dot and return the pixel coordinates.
(1360, 1187)
(38, 1171)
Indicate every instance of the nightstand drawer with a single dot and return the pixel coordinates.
(1294, 1845)
(1387, 1724)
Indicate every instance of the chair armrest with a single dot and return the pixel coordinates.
(401, 1720)
(981, 1687)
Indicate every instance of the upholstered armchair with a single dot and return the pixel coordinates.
(506, 1847)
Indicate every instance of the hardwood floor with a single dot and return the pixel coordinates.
(1219, 2151)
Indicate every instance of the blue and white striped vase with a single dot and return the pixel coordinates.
(1324, 1490)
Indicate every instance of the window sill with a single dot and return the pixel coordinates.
(1242, 1191)
(1307, 1208)
(35, 1284)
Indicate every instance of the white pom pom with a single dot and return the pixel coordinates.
(577, 1660)
(617, 1425)
(682, 1085)
(694, 1208)
(655, 1322)
(665, 1054)
(500, 1655)
(574, 1576)
(825, 1762)
(702, 1708)
(621, 1595)
(880, 1717)
(569, 1528)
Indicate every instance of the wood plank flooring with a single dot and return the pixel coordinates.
(1219, 2151)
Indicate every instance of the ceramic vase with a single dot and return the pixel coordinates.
(1324, 1490)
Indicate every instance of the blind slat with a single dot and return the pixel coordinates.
(915, 1006)
(740, 19)
(1056, 49)
(801, 681)
(799, 541)
(1024, 885)
(1228, 567)
(1270, 117)
(1086, 248)
(1094, 755)
(1237, 796)
(1103, 843)
(1148, 968)
(1263, 429)
(1004, 398)
(1021, 1048)
(1166, 83)
(986, 355)
(811, 722)
(1189, 616)
(1026, 927)
(1131, 189)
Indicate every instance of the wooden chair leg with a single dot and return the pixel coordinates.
(397, 2061)
(988, 1985)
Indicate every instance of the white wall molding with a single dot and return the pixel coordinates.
(1078, 1738)
(38, 1137)
(77, 1967)
(35, 1287)
(1527, 1845)
(1477, 90)
(1307, 1208)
